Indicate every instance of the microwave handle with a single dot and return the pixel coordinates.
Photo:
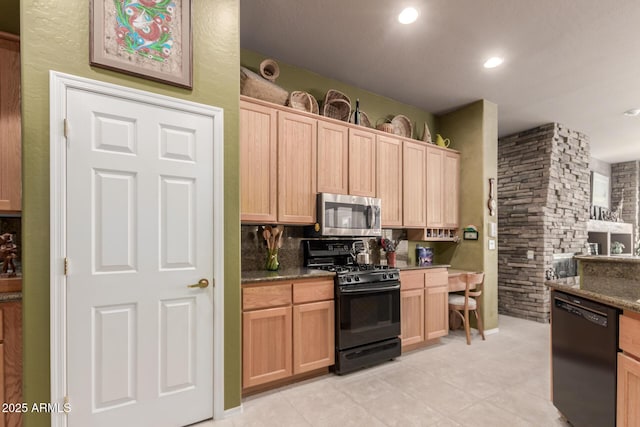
(369, 216)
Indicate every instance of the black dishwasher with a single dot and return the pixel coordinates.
(584, 346)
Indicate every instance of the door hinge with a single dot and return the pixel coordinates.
(66, 128)
(66, 265)
(66, 405)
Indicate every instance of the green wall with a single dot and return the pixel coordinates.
(58, 39)
(473, 130)
(377, 107)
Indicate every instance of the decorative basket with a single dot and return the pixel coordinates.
(364, 119)
(402, 125)
(255, 86)
(333, 95)
(337, 109)
(269, 69)
(303, 101)
(386, 127)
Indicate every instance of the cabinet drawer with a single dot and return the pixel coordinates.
(630, 334)
(413, 279)
(436, 277)
(312, 291)
(266, 296)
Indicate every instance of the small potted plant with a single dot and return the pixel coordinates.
(389, 247)
(616, 248)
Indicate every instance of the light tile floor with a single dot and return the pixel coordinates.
(503, 381)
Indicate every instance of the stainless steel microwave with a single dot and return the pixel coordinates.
(343, 215)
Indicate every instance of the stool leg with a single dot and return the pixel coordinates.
(480, 326)
(466, 325)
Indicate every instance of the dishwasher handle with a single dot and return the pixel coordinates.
(596, 317)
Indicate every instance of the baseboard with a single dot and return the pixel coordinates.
(232, 412)
(491, 331)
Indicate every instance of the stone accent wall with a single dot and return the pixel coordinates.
(543, 208)
(625, 181)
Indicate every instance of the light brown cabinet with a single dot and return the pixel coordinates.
(414, 157)
(10, 133)
(389, 182)
(362, 163)
(628, 394)
(423, 305)
(258, 163)
(288, 329)
(442, 188)
(11, 360)
(333, 158)
(297, 139)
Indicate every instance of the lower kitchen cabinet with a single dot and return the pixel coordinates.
(313, 336)
(11, 360)
(288, 329)
(266, 340)
(628, 393)
(424, 306)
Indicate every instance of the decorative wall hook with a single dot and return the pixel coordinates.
(492, 204)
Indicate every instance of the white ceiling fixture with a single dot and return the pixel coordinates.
(408, 15)
(632, 113)
(493, 62)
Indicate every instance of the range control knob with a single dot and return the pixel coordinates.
(384, 276)
(357, 278)
(349, 279)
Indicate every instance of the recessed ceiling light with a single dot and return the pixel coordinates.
(408, 15)
(632, 113)
(493, 62)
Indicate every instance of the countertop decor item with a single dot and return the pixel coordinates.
(389, 247)
(336, 105)
(303, 101)
(150, 40)
(273, 237)
(8, 253)
(364, 119)
(442, 142)
(426, 134)
(402, 125)
(616, 248)
(386, 127)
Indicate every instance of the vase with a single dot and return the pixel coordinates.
(616, 251)
(272, 263)
(391, 259)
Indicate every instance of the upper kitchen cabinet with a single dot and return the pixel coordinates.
(389, 182)
(362, 163)
(414, 159)
(258, 163)
(443, 182)
(333, 158)
(10, 136)
(451, 189)
(297, 144)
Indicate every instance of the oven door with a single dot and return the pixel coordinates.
(367, 313)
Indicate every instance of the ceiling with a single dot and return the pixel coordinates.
(572, 62)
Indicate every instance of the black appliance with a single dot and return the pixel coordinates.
(584, 346)
(367, 304)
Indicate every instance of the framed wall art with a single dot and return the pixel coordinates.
(145, 38)
(599, 190)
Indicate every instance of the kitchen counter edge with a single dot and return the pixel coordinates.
(573, 287)
(423, 267)
(263, 276)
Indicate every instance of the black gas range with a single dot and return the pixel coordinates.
(367, 303)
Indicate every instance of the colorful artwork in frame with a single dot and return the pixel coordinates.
(146, 38)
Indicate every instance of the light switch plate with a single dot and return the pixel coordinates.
(492, 244)
(493, 229)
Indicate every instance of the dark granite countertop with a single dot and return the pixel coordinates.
(630, 259)
(260, 276)
(628, 299)
(422, 267)
(10, 296)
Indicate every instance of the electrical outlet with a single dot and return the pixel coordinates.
(529, 254)
(492, 244)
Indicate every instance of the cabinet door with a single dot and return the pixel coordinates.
(333, 158)
(412, 317)
(435, 190)
(414, 213)
(313, 336)
(628, 406)
(451, 190)
(11, 359)
(10, 148)
(258, 163)
(266, 345)
(362, 163)
(436, 311)
(297, 137)
(389, 184)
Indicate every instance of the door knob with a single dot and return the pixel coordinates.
(202, 283)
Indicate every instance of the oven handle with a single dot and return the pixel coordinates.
(364, 290)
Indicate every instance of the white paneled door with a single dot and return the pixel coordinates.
(139, 234)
